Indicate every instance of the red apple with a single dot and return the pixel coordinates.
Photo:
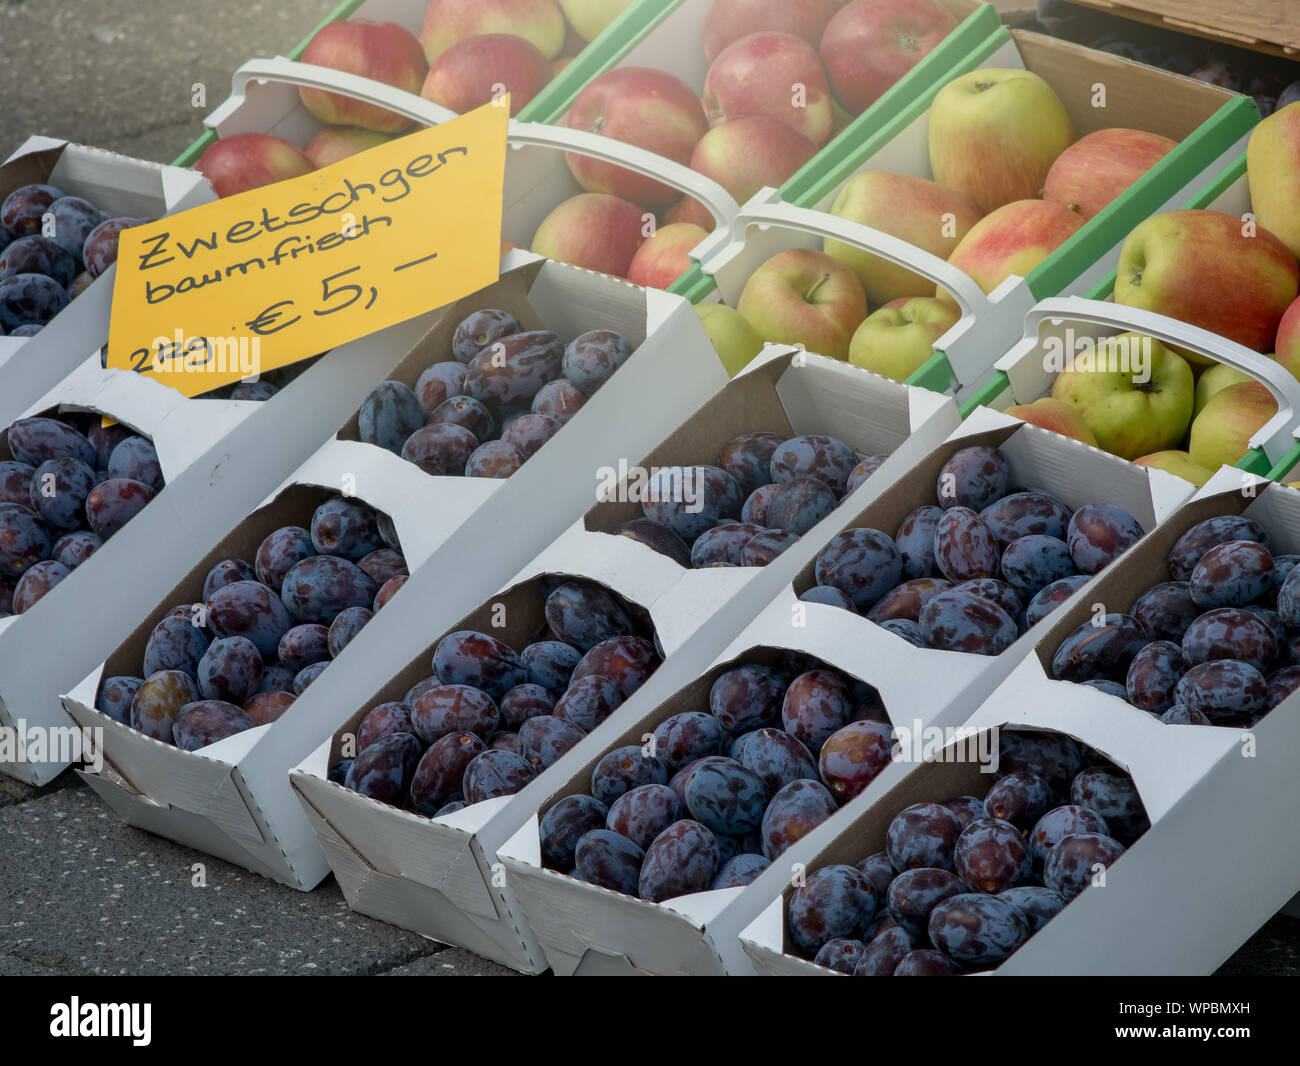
(595, 231)
(381, 51)
(1287, 345)
(774, 74)
(338, 142)
(637, 105)
(448, 21)
(1097, 168)
(1012, 240)
(730, 20)
(509, 246)
(665, 256)
(805, 297)
(246, 161)
(1056, 415)
(478, 70)
(870, 44)
(745, 155)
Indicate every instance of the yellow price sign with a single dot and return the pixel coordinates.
(268, 277)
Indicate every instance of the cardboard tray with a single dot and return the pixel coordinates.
(1211, 124)
(114, 183)
(1262, 25)
(1195, 782)
(584, 928)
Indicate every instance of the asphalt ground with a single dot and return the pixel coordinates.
(80, 893)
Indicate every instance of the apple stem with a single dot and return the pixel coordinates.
(808, 296)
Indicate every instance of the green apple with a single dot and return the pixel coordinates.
(1221, 432)
(1215, 379)
(805, 297)
(1177, 463)
(1134, 393)
(733, 337)
(1054, 415)
(898, 339)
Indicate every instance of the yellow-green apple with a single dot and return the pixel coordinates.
(381, 51)
(805, 297)
(338, 142)
(898, 339)
(1214, 379)
(775, 74)
(478, 70)
(1177, 463)
(665, 255)
(1212, 270)
(749, 153)
(870, 44)
(1134, 394)
(733, 338)
(1097, 168)
(637, 105)
(1273, 167)
(593, 230)
(688, 209)
(589, 17)
(923, 213)
(1287, 347)
(449, 21)
(1221, 432)
(730, 20)
(246, 161)
(1012, 240)
(1054, 415)
(994, 135)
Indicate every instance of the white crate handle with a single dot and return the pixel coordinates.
(766, 208)
(1274, 436)
(716, 200)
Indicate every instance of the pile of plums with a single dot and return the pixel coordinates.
(723, 790)
(962, 884)
(1219, 644)
(491, 718)
(976, 571)
(51, 248)
(504, 394)
(265, 630)
(62, 494)
(765, 491)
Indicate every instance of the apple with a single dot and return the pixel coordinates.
(592, 230)
(688, 209)
(1177, 463)
(557, 65)
(1273, 169)
(381, 51)
(870, 44)
(509, 246)
(1212, 270)
(805, 297)
(478, 70)
(588, 18)
(1056, 416)
(923, 213)
(1097, 168)
(994, 135)
(1012, 241)
(730, 20)
(733, 338)
(745, 155)
(775, 74)
(1287, 346)
(1214, 379)
(448, 21)
(246, 161)
(338, 142)
(664, 257)
(637, 105)
(1134, 394)
(1221, 432)
(897, 341)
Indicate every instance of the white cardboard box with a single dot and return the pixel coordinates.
(114, 183)
(1219, 858)
(583, 927)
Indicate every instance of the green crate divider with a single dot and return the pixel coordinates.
(191, 154)
(1287, 464)
(694, 285)
(987, 393)
(935, 374)
(1230, 176)
(1254, 462)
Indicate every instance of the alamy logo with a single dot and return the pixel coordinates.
(134, 1020)
(1128, 354)
(667, 484)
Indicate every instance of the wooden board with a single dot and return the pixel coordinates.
(1271, 26)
